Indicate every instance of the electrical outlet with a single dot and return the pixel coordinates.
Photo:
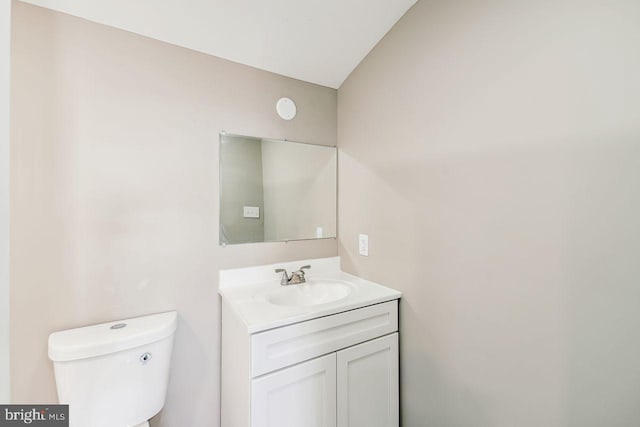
(363, 244)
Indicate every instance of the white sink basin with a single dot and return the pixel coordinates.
(255, 294)
(314, 292)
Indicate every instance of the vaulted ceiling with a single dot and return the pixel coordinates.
(319, 41)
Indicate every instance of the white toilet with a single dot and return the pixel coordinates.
(114, 374)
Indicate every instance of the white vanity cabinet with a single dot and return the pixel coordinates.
(300, 395)
(336, 370)
(367, 384)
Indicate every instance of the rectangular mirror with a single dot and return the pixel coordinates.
(273, 190)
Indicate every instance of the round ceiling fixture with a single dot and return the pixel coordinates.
(286, 108)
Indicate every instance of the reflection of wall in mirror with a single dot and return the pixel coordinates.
(299, 182)
(241, 185)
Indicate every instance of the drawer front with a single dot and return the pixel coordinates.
(292, 344)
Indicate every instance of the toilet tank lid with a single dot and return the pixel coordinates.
(110, 337)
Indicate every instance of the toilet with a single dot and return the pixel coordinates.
(114, 374)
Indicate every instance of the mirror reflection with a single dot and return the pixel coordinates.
(274, 190)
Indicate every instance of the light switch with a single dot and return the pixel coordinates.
(251, 212)
(363, 244)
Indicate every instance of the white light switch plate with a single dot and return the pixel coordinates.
(363, 244)
(251, 212)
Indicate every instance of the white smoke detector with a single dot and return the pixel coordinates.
(286, 108)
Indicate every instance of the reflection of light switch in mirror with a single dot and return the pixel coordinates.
(251, 212)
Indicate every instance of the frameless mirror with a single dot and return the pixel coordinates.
(273, 190)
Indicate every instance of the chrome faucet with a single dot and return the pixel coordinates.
(296, 278)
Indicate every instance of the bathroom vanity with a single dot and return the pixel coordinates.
(319, 354)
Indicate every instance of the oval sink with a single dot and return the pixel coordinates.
(314, 292)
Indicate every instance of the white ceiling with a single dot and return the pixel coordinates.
(319, 41)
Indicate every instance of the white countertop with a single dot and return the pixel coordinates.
(244, 291)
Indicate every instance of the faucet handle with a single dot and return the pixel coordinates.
(301, 270)
(283, 271)
(285, 277)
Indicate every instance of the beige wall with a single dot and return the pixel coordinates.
(114, 199)
(5, 48)
(491, 150)
(241, 185)
(299, 190)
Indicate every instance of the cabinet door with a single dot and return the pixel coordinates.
(368, 394)
(303, 395)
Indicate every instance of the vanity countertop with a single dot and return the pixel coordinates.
(255, 294)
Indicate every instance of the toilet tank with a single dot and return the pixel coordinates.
(114, 374)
